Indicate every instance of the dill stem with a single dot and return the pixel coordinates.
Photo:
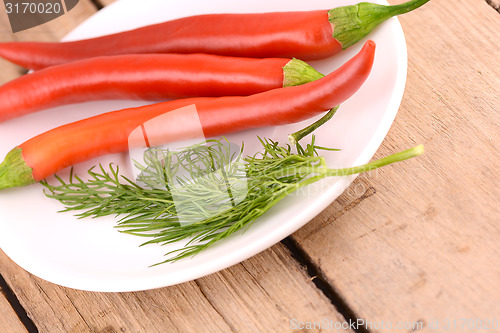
(397, 157)
(153, 212)
(322, 172)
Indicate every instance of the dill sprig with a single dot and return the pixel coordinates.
(203, 193)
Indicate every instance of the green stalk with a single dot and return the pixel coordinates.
(297, 72)
(14, 171)
(294, 138)
(286, 189)
(322, 172)
(352, 23)
(397, 157)
(152, 212)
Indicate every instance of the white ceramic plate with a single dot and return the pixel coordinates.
(91, 255)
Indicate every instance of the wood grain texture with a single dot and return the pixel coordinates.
(50, 31)
(9, 321)
(423, 244)
(267, 293)
(494, 3)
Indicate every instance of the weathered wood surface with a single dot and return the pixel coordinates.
(262, 294)
(414, 244)
(10, 321)
(423, 244)
(50, 31)
(494, 3)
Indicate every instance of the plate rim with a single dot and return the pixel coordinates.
(221, 263)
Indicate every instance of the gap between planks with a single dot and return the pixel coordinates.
(495, 4)
(99, 4)
(329, 291)
(17, 307)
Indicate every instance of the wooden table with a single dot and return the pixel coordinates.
(414, 247)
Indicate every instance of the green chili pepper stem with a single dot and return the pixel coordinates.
(14, 171)
(406, 7)
(297, 72)
(294, 138)
(352, 23)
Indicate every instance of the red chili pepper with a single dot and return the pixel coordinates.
(155, 77)
(107, 133)
(305, 35)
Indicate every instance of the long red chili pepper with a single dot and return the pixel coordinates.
(305, 35)
(155, 77)
(107, 133)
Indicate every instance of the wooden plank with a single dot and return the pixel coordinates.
(417, 242)
(9, 71)
(494, 3)
(9, 322)
(58, 309)
(50, 31)
(269, 292)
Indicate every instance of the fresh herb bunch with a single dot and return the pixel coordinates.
(204, 172)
